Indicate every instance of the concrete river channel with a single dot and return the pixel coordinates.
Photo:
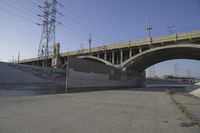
(45, 89)
(160, 109)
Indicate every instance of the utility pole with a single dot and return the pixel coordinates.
(90, 43)
(18, 57)
(12, 59)
(149, 28)
(48, 37)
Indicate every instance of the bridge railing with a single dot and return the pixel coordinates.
(137, 43)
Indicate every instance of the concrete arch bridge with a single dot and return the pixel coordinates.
(122, 64)
(147, 58)
(136, 54)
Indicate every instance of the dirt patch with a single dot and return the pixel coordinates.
(194, 121)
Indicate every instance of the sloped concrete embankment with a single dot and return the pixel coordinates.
(194, 89)
(25, 74)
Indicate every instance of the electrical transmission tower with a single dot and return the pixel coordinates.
(48, 37)
(188, 73)
(152, 72)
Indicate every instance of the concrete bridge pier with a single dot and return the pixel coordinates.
(56, 62)
(113, 57)
(105, 56)
(130, 53)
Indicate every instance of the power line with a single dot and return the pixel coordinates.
(33, 21)
(18, 9)
(66, 34)
(25, 8)
(76, 29)
(23, 4)
(69, 21)
(33, 4)
(14, 14)
(89, 23)
(76, 26)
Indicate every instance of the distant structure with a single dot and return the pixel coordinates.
(188, 73)
(182, 79)
(48, 37)
(152, 71)
(18, 57)
(176, 70)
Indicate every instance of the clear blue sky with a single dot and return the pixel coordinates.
(109, 21)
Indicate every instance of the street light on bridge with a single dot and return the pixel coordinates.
(149, 28)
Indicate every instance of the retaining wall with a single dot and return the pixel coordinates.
(83, 73)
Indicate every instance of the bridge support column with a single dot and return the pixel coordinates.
(113, 57)
(98, 55)
(140, 50)
(56, 62)
(105, 56)
(121, 56)
(130, 53)
(65, 60)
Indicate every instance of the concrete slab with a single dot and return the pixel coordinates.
(9, 74)
(196, 90)
(113, 111)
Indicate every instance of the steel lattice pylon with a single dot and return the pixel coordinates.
(48, 31)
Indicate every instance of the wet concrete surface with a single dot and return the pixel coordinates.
(13, 90)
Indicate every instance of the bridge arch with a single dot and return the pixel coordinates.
(94, 58)
(143, 60)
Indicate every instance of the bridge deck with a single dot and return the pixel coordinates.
(162, 39)
(139, 43)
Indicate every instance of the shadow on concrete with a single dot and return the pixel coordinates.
(153, 88)
(10, 90)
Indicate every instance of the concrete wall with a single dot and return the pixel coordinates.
(22, 74)
(84, 73)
